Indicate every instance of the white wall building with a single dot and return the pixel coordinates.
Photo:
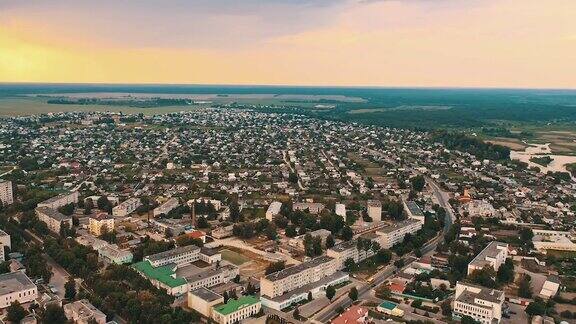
(341, 210)
(112, 254)
(482, 304)
(126, 207)
(60, 200)
(184, 255)
(394, 234)
(83, 312)
(273, 210)
(166, 207)
(235, 310)
(53, 218)
(202, 300)
(494, 255)
(6, 194)
(4, 241)
(16, 286)
(374, 208)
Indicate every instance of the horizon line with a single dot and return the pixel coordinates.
(207, 85)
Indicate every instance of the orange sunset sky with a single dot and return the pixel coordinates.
(464, 43)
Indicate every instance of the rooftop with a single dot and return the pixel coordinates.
(14, 281)
(206, 294)
(490, 251)
(173, 252)
(234, 305)
(164, 274)
(399, 225)
(53, 213)
(414, 208)
(352, 315)
(278, 275)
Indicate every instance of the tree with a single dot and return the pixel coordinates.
(330, 292)
(537, 307)
(353, 294)
(275, 267)
(399, 263)
(329, 241)
(347, 233)
(309, 296)
(418, 182)
(349, 265)
(505, 273)
(70, 288)
(526, 234)
(468, 320)
(202, 222)
(15, 312)
(291, 231)
(524, 289)
(54, 314)
(226, 297)
(446, 308)
(484, 277)
(384, 256)
(296, 313)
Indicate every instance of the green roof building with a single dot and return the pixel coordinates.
(162, 277)
(236, 310)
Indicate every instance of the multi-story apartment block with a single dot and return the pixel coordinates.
(6, 194)
(83, 312)
(394, 234)
(235, 310)
(100, 223)
(349, 250)
(374, 208)
(166, 207)
(311, 207)
(126, 207)
(273, 210)
(16, 286)
(494, 255)
(291, 285)
(60, 200)
(482, 304)
(212, 277)
(4, 241)
(53, 218)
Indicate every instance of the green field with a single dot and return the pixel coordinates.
(233, 257)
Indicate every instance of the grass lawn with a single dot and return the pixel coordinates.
(233, 257)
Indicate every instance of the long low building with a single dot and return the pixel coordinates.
(349, 250)
(60, 200)
(82, 311)
(53, 218)
(16, 286)
(184, 255)
(166, 207)
(482, 304)
(494, 255)
(394, 234)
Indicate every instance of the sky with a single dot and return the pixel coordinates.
(405, 43)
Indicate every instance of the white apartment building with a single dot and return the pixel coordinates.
(348, 250)
(4, 241)
(273, 210)
(340, 210)
(394, 234)
(184, 255)
(553, 240)
(235, 310)
(212, 277)
(281, 282)
(6, 194)
(83, 312)
(374, 208)
(298, 241)
(166, 207)
(494, 255)
(482, 304)
(126, 207)
(16, 286)
(60, 200)
(100, 223)
(53, 218)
